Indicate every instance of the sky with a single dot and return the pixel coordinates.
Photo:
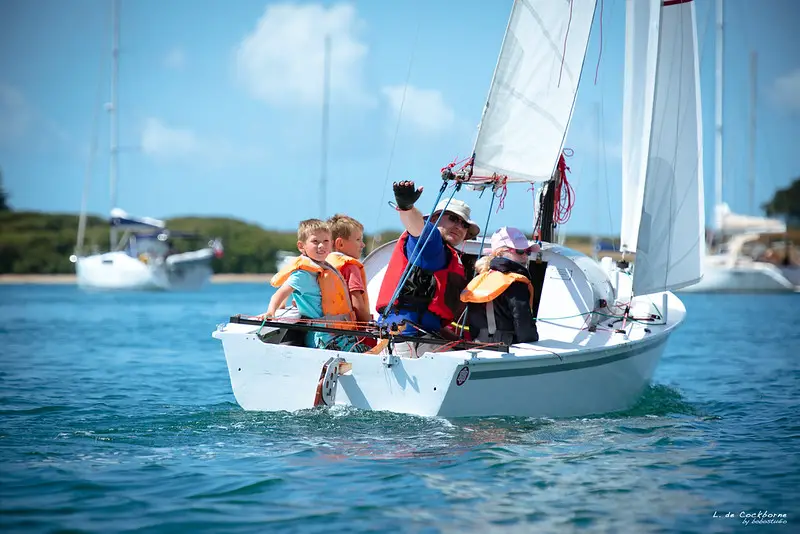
(220, 106)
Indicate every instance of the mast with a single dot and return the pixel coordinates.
(718, 118)
(753, 73)
(325, 105)
(112, 115)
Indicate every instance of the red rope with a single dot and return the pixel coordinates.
(456, 162)
(503, 193)
(564, 194)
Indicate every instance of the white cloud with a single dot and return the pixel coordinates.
(16, 115)
(161, 141)
(282, 60)
(21, 124)
(175, 59)
(425, 109)
(165, 143)
(787, 90)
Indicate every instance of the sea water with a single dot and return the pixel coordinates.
(116, 415)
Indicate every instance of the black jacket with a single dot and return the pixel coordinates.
(513, 317)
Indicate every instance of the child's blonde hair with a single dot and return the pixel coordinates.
(344, 226)
(309, 226)
(482, 265)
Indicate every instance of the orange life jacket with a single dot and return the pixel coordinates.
(339, 260)
(336, 303)
(489, 285)
(444, 300)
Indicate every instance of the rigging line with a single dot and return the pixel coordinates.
(397, 128)
(603, 155)
(486, 228)
(600, 53)
(416, 254)
(87, 179)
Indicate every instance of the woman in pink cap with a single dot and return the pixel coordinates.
(501, 299)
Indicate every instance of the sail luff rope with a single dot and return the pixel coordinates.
(396, 129)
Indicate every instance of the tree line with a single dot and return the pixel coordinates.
(41, 243)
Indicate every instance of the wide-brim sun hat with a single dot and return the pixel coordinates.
(460, 208)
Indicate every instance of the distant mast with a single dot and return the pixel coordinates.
(112, 114)
(753, 75)
(718, 121)
(325, 105)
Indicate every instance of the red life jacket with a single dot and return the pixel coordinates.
(443, 290)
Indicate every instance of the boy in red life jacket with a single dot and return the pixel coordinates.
(429, 296)
(317, 288)
(347, 235)
(501, 299)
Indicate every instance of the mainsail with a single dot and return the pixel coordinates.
(670, 244)
(533, 90)
(641, 47)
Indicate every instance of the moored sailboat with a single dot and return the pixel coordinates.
(142, 258)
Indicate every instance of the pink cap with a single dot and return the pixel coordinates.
(510, 237)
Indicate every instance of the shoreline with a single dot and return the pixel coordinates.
(67, 279)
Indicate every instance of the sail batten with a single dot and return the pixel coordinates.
(532, 94)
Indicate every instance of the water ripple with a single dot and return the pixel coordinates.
(131, 426)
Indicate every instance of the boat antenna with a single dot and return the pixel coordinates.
(325, 120)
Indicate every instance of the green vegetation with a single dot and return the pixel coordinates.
(786, 202)
(3, 196)
(41, 243)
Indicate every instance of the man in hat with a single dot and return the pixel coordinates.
(429, 298)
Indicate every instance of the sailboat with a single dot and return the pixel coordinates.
(727, 267)
(598, 346)
(143, 257)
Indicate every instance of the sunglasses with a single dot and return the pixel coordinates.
(457, 220)
(520, 251)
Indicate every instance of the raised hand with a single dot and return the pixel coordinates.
(405, 194)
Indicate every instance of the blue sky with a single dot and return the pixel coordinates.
(220, 105)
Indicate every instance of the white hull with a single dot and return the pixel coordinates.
(535, 383)
(742, 275)
(119, 271)
(571, 371)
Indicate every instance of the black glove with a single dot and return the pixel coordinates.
(405, 195)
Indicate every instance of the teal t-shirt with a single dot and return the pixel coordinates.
(308, 298)
(306, 293)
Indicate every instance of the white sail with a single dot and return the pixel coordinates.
(642, 18)
(533, 90)
(669, 252)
